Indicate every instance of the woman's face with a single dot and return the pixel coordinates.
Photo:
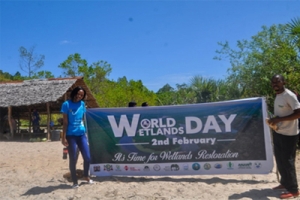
(79, 96)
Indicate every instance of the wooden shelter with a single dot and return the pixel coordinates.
(18, 98)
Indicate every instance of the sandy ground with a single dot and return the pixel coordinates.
(34, 170)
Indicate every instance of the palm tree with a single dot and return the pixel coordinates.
(293, 29)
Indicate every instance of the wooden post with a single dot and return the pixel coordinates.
(30, 122)
(10, 122)
(18, 125)
(48, 121)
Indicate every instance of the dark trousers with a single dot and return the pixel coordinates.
(81, 143)
(285, 153)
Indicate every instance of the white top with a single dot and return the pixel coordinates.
(284, 105)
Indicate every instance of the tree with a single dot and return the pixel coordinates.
(108, 93)
(254, 62)
(185, 94)
(18, 76)
(166, 95)
(74, 66)
(211, 90)
(96, 76)
(43, 74)
(204, 89)
(29, 62)
(293, 29)
(123, 91)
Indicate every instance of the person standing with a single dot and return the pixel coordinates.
(298, 97)
(285, 138)
(36, 121)
(74, 133)
(144, 104)
(132, 104)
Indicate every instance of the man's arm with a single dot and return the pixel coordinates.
(293, 116)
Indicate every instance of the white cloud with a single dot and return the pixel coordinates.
(65, 42)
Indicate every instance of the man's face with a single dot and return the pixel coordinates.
(277, 84)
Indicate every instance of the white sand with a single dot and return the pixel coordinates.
(34, 170)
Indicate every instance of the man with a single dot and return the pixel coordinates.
(287, 112)
(36, 121)
(298, 97)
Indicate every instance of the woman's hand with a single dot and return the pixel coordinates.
(64, 141)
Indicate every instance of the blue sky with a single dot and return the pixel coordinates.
(158, 42)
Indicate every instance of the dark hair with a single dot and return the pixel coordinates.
(75, 91)
(144, 104)
(131, 104)
(279, 76)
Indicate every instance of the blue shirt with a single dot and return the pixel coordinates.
(75, 112)
(35, 117)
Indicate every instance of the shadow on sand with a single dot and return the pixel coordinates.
(263, 194)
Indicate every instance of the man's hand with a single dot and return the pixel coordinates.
(274, 127)
(274, 121)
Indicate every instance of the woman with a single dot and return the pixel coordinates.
(74, 135)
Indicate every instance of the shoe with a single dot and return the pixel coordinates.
(279, 187)
(287, 195)
(89, 180)
(75, 186)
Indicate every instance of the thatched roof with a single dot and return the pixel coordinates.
(23, 96)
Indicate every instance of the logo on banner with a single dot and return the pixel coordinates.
(135, 169)
(257, 165)
(118, 168)
(108, 167)
(230, 165)
(207, 166)
(156, 167)
(245, 165)
(196, 166)
(167, 168)
(146, 168)
(174, 167)
(186, 167)
(218, 166)
(97, 168)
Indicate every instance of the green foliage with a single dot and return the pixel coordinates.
(54, 118)
(107, 93)
(254, 62)
(166, 95)
(96, 75)
(182, 94)
(74, 66)
(42, 75)
(293, 29)
(118, 94)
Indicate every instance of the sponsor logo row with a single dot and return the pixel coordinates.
(176, 167)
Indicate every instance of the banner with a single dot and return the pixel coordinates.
(228, 137)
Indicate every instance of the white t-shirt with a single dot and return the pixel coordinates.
(284, 105)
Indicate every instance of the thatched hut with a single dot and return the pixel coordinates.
(18, 98)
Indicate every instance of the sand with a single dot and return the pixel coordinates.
(34, 170)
